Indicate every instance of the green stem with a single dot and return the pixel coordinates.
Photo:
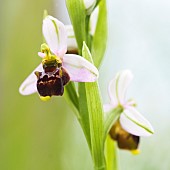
(111, 154)
(88, 37)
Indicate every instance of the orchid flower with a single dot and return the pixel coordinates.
(57, 67)
(130, 120)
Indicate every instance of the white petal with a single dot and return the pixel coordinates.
(55, 35)
(71, 41)
(79, 69)
(93, 20)
(133, 122)
(107, 107)
(29, 85)
(123, 82)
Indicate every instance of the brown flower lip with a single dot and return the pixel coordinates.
(52, 80)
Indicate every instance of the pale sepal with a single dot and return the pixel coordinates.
(79, 69)
(29, 85)
(124, 79)
(113, 91)
(133, 122)
(55, 35)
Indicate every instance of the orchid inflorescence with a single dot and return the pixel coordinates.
(61, 65)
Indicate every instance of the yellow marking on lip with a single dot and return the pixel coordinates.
(46, 98)
(135, 152)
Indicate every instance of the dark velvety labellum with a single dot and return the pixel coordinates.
(128, 141)
(124, 139)
(52, 83)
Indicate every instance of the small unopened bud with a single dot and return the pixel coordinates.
(89, 5)
(93, 21)
(72, 47)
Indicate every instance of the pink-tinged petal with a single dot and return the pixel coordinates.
(108, 107)
(29, 85)
(60, 53)
(42, 55)
(123, 83)
(133, 122)
(55, 35)
(79, 69)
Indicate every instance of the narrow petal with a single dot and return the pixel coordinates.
(133, 122)
(79, 69)
(123, 83)
(55, 35)
(42, 55)
(29, 85)
(71, 41)
(93, 20)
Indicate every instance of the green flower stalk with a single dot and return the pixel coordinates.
(88, 28)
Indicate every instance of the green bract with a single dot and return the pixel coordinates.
(95, 112)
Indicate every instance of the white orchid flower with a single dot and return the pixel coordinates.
(130, 119)
(57, 67)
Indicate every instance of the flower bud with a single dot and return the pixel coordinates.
(89, 5)
(71, 40)
(93, 21)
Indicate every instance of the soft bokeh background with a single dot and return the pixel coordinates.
(36, 135)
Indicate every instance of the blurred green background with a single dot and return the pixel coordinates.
(36, 135)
